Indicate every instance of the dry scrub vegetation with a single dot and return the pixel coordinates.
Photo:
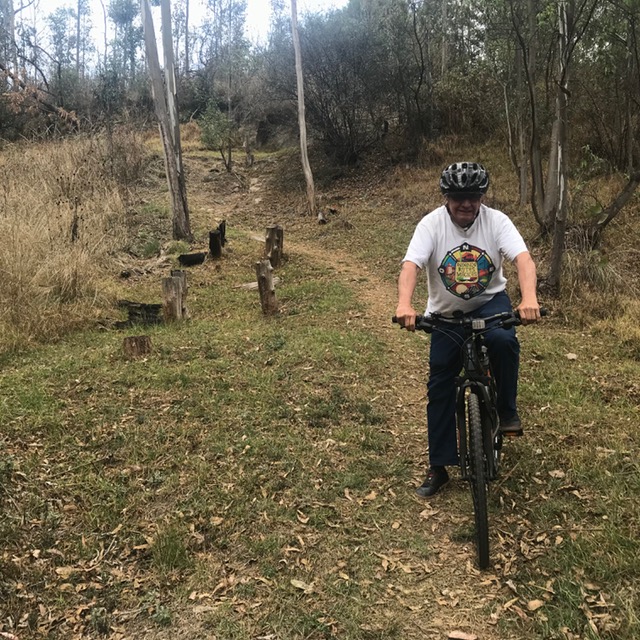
(254, 478)
(63, 221)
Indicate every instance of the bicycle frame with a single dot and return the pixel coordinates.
(476, 378)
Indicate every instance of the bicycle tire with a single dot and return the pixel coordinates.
(478, 479)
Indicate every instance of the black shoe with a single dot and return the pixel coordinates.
(511, 427)
(435, 480)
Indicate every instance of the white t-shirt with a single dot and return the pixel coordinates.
(464, 268)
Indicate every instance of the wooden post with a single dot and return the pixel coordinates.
(215, 244)
(264, 272)
(217, 240)
(136, 346)
(182, 276)
(273, 245)
(172, 306)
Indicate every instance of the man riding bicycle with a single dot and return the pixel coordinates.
(462, 245)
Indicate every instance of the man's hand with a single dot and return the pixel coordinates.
(406, 317)
(529, 312)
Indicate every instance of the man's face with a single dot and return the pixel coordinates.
(463, 207)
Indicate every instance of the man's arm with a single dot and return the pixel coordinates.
(407, 281)
(528, 308)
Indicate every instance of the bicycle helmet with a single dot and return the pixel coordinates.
(464, 177)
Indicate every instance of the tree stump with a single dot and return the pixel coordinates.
(136, 346)
(264, 272)
(173, 291)
(217, 240)
(215, 244)
(273, 245)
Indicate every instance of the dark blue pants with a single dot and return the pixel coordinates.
(445, 362)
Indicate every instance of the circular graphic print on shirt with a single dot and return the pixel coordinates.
(466, 271)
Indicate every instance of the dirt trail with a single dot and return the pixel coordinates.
(451, 593)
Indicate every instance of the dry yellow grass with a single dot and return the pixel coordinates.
(62, 220)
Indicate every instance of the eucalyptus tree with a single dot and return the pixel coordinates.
(165, 102)
(346, 87)
(608, 106)
(608, 85)
(573, 17)
(222, 44)
(82, 35)
(61, 25)
(182, 35)
(8, 47)
(407, 40)
(302, 122)
(125, 15)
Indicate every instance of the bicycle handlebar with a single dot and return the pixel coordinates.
(505, 320)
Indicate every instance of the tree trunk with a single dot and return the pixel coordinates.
(557, 204)
(614, 209)
(78, 24)
(537, 186)
(186, 38)
(168, 121)
(311, 195)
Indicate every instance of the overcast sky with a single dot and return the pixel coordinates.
(258, 12)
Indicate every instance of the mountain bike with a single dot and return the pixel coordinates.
(479, 436)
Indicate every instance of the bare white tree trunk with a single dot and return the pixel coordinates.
(170, 84)
(311, 194)
(167, 118)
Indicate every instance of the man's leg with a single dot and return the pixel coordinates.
(444, 365)
(504, 353)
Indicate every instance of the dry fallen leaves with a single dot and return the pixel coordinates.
(461, 635)
(534, 605)
(303, 586)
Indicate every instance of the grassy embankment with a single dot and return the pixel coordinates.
(253, 477)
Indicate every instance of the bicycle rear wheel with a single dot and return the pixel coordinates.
(478, 479)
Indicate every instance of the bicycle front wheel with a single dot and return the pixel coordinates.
(478, 479)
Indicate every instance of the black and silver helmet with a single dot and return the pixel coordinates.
(464, 177)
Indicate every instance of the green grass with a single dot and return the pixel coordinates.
(203, 486)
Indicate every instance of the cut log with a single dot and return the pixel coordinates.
(273, 245)
(142, 313)
(192, 259)
(136, 346)
(264, 272)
